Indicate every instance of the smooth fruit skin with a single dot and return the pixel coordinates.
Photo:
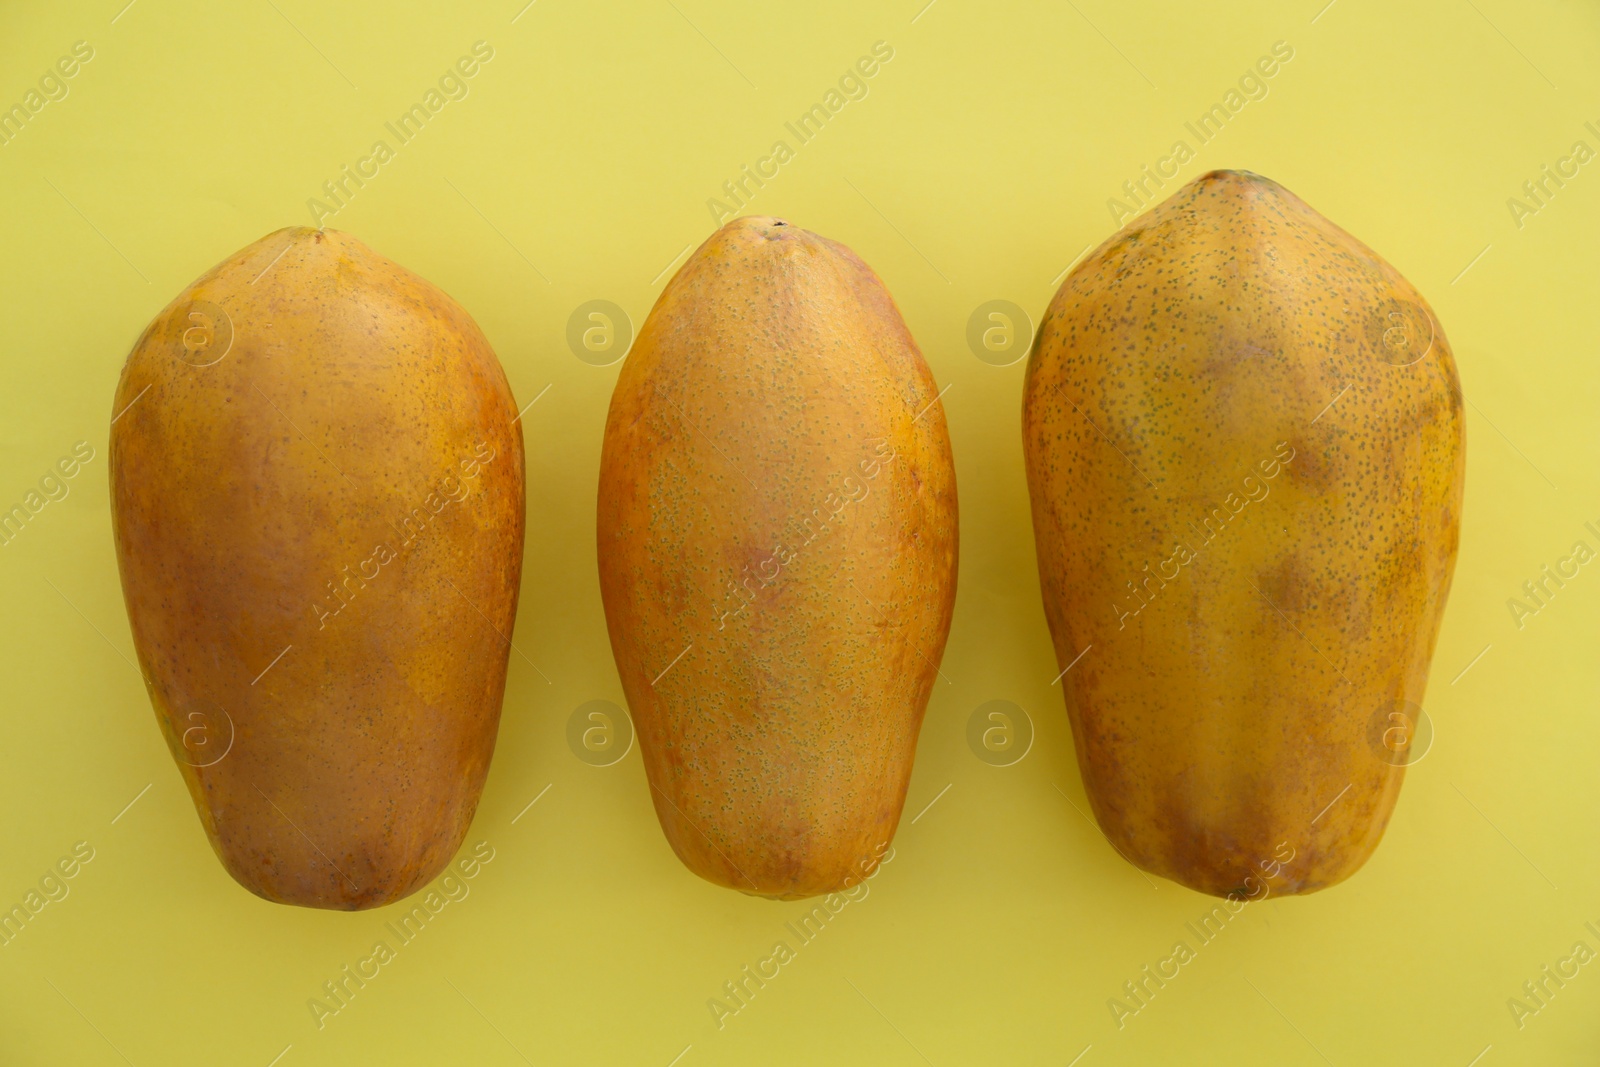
(777, 549)
(1258, 576)
(317, 497)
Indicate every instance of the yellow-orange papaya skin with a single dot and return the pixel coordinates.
(1244, 443)
(317, 498)
(777, 550)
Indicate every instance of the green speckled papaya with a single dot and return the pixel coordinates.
(316, 490)
(777, 549)
(1245, 447)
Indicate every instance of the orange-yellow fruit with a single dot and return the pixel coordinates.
(777, 545)
(1244, 441)
(316, 487)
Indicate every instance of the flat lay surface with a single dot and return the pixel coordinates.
(550, 166)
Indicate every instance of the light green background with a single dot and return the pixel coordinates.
(977, 168)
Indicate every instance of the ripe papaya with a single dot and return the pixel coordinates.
(317, 502)
(777, 554)
(1245, 451)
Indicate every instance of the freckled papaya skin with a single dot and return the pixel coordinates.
(777, 657)
(301, 406)
(1292, 559)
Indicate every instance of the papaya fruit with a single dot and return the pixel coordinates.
(1245, 450)
(317, 503)
(777, 544)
